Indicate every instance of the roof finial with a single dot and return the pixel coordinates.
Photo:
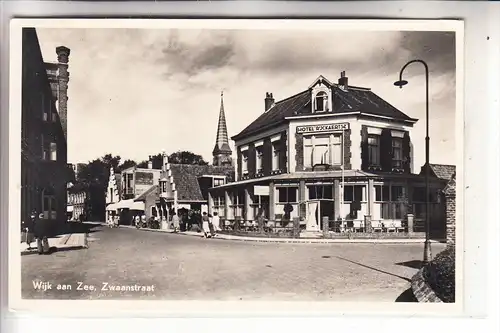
(222, 93)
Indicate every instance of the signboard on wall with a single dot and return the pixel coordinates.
(322, 128)
(260, 190)
(144, 178)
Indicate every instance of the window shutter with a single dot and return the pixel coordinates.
(299, 152)
(238, 162)
(267, 156)
(251, 160)
(406, 152)
(365, 163)
(283, 146)
(386, 150)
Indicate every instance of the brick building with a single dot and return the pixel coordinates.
(44, 171)
(332, 151)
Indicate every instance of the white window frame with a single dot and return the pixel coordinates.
(310, 144)
(324, 96)
(244, 160)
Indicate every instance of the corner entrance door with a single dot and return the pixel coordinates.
(312, 216)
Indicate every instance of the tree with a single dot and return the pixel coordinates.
(186, 157)
(125, 165)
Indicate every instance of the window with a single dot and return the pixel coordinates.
(323, 149)
(353, 193)
(49, 205)
(397, 152)
(45, 149)
(218, 181)
(321, 102)
(53, 151)
(397, 193)
(382, 193)
(320, 192)
(287, 194)
(111, 195)
(54, 117)
(163, 186)
(374, 150)
(276, 156)
(244, 162)
(258, 159)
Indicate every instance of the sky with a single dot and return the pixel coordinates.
(135, 92)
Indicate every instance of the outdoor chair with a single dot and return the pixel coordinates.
(377, 226)
(359, 226)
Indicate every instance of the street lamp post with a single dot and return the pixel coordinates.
(400, 84)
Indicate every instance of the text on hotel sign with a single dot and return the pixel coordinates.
(322, 128)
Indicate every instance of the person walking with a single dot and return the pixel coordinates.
(216, 224)
(206, 225)
(41, 234)
(175, 222)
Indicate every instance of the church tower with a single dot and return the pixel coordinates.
(222, 152)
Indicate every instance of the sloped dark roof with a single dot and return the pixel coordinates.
(144, 195)
(355, 99)
(443, 171)
(186, 179)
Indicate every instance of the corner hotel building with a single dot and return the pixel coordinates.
(302, 150)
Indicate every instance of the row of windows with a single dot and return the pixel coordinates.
(259, 158)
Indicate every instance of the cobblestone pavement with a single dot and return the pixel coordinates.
(170, 266)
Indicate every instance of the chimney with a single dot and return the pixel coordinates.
(268, 101)
(343, 81)
(62, 80)
(165, 160)
(150, 162)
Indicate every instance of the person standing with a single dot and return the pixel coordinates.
(175, 222)
(28, 229)
(206, 225)
(41, 234)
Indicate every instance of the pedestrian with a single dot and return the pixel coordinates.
(41, 234)
(175, 222)
(216, 223)
(28, 229)
(206, 225)
(137, 221)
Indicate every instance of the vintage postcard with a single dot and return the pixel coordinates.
(246, 163)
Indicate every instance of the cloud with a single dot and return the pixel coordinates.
(136, 91)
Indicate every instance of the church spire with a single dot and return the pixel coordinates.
(222, 152)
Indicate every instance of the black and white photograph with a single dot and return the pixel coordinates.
(236, 160)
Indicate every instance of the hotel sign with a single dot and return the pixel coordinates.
(322, 128)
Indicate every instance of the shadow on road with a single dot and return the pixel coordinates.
(417, 264)
(406, 297)
(375, 269)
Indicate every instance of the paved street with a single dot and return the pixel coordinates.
(170, 266)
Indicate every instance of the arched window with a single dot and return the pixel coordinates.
(321, 102)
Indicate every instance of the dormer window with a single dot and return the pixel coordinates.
(321, 102)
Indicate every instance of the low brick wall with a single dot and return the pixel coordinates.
(421, 290)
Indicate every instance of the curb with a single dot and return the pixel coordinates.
(63, 241)
(289, 240)
(421, 290)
